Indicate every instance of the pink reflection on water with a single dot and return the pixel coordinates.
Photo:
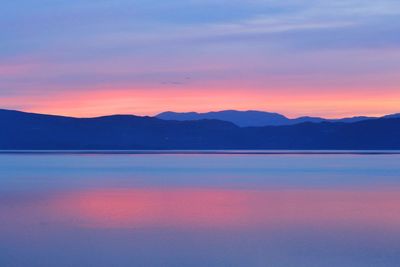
(129, 208)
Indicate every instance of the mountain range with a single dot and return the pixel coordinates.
(29, 131)
(253, 118)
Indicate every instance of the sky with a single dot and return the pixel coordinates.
(296, 57)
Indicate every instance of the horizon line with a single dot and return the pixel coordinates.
(197, 112)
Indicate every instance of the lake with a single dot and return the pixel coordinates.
(209, 209)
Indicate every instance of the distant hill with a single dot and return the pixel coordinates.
(253, 118)
(21, 130)
(392, 116)
(240, 118)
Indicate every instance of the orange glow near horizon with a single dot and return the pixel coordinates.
(292, 103)
(125, 208)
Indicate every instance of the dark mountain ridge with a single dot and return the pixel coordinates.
(28, 131)
(255, 118)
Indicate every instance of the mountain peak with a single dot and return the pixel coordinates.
(254, 118)
(240, 118)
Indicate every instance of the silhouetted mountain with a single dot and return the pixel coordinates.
(392, 116)
(240, 118)
(250, 118)
(21, 130)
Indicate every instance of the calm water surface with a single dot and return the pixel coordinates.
(199, 210)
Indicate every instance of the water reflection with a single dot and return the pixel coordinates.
(171, 211)
(215, 208)
(231, 208)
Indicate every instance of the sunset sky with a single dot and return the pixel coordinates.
(296, 57)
